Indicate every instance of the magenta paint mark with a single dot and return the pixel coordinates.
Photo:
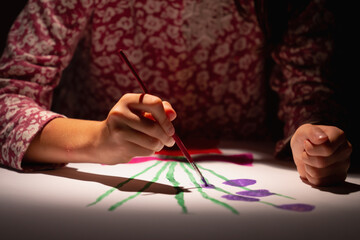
(143, 159)
(239, 198)
(245, 159)
(240, 182)
(297, 207)
(256, 193)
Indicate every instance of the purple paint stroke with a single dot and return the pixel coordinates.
(240, 182)
(239, 198)
(297, 207)
(256, 193)
(210, 186)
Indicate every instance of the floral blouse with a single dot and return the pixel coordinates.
(202, 56)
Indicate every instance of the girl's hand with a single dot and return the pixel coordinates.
(321, 154)
(138, 125)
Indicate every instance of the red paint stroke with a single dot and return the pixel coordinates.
(244, 159)
(191, 151)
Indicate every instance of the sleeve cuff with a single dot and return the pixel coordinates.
(20, 136)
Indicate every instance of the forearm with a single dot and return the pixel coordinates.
(65, 140)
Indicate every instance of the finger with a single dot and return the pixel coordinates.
(154, 105)
(134, 150)
(300, 168)
(338, 168)
(327, 180)
(310, 132)
(148, 127)
(306, 132)
(316, 135)
(170, 112)
(335, 138)
(318, 161)
(143, 140)
(327, 148)
(133, 118)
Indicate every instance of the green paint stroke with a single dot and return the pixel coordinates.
(107, 193)
(203, 194)
(267, 203)
(281, 195)
(180, 194)
(147, 185)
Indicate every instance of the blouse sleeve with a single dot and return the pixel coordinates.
(300, 76)
(40, 45)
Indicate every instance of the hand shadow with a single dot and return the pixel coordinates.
(343, 188)
(121, 183)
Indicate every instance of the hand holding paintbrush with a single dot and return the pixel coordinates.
(174, 135)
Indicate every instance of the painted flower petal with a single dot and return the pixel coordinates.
(240, 182)
(297, 207)
(240, 198)
(256, 193)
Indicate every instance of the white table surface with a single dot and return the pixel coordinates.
(56, 204)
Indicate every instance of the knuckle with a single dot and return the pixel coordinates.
(119, 111)
(126, 97)
(155, 101)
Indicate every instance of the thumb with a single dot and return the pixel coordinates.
(317, 135)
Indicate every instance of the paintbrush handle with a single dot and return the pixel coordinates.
(132, 69)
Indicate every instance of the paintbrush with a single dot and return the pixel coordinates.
(178, 141)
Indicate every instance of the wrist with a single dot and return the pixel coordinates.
(65, 140)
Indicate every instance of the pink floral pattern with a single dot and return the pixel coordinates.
(201, 56)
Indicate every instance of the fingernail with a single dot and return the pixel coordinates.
(320, 133)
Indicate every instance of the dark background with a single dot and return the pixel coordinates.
(8, 12)
(346, 59)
